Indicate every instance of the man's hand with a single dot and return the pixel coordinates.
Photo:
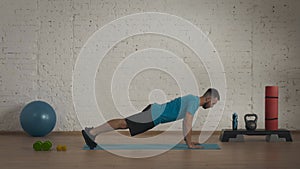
(187, 131)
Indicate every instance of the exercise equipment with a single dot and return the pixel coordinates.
(38, 118)
(64, 148)
(37, 146)
(274, 138)
(234, 121)
(42, 146)
(238, 138)
(150, 147)
(46, 146)
(272, 133)
(250, 124)
(61, 148)
(271, 108)
(227, 134)
(58, 148)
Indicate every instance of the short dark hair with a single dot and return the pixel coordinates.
(212, 93)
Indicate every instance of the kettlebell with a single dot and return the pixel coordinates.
(250, 124)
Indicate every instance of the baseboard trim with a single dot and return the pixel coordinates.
(156, 132)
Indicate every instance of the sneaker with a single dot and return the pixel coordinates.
(88, 140)
(87, 130)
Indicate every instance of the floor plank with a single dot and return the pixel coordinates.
(16, 152)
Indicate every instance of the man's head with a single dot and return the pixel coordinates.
(210, 98)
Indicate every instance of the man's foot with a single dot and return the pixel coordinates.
(88, 138)
(88, 132)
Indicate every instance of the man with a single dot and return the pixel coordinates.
(154, 114)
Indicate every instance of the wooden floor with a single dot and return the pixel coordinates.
(16, 152)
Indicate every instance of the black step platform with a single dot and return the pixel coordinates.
(282, 133)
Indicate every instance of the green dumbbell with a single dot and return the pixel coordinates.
(46, 146)
(37, 146)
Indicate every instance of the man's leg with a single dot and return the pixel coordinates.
(115, 124)
(111, 125)
(89, 134)
(137, 123)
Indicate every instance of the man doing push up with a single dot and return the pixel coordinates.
(154, 114)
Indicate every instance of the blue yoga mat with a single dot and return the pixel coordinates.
(151, 147)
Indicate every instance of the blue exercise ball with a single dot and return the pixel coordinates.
(38, 118)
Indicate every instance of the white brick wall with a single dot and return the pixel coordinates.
(258, 42)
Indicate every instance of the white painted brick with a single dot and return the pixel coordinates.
(258, 43)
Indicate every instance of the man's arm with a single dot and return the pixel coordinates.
(187, 130)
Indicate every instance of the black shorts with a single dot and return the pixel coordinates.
(140, 122)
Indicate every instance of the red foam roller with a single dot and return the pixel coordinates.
(271, 108)
(271, 124)
(272, 91)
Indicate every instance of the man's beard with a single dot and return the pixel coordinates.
(205, 106)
